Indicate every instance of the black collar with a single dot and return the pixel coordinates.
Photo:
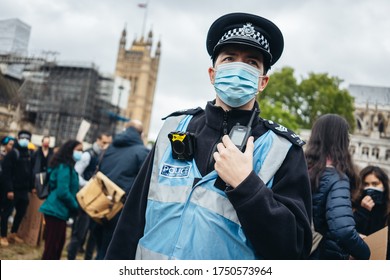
(217, 118)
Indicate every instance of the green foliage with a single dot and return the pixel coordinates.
(277, 112)
(298, 105)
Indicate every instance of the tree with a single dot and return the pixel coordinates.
(279, 100)
(323, 96)
(298, 105)
(277, 112)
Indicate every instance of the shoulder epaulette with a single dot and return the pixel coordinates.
(192, 111)
(284, 132)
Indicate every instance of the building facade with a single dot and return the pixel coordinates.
(370, 142)
(139, 66)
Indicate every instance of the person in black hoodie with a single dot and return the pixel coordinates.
(372, 202)
(121, 163)
(17, 179)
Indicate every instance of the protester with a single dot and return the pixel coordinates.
(17, 183)
(206, 196)
(42, 156)
(7, 144)
(333, 177)
(121, 163)
(86, 168)
(61, 203)
(372, 202)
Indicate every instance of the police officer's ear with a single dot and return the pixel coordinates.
(211, 74)
(263, 82)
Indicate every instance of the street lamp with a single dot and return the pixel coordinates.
(117, 108)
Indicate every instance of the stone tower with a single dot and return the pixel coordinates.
(140, 67)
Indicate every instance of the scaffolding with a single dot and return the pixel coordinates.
(58, 97)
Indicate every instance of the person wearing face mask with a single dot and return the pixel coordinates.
(17, 183)
(7, 144)
(333, 179)
(121, 163)
(372, 202)
(86, 168)
(61, 203)
(42, 156)
(221, 182)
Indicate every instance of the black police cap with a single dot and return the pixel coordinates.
(247, 29)
(24, 134)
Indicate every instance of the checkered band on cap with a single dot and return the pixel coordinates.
(24, 135)
(247, 32)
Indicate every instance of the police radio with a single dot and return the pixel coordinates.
(183, 145)
(239, 134)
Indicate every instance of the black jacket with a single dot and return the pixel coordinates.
(124, 158)
(368, 222)
(277, 221)
(17, 170)
(40, 162)
(333, 218)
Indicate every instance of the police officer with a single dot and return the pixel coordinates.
(223, 183)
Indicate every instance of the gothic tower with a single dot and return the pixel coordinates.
(140, 67)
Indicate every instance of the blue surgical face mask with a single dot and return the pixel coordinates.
(77, 155)
(23, 142)
(236, 83)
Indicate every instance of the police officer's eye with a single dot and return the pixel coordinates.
(227, 58)
(253, 63)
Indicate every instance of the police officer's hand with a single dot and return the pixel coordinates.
(10, 195)
(232, 165)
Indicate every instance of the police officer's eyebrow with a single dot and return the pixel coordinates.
(258, 58)
(229, 52)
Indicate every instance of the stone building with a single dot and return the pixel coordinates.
(370, 142)
(139, 66)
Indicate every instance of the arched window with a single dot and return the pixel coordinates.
(365, 151)
(375, 152)
(387, 156)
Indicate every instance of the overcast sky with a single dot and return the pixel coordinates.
(344, 38)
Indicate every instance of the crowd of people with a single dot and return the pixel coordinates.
(68, 167)
(219, 183)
